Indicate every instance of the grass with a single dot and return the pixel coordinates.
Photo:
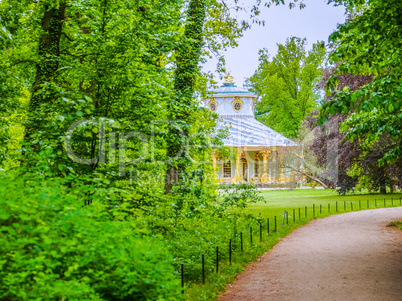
(397, 224)
(279, 201)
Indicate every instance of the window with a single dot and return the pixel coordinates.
(237, 104)
(213, 105)
(256, 168)
(244, 168)
(227, 169)
(287, 172)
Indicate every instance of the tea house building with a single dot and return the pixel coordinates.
(260, 150)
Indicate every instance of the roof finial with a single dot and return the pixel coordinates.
(228, 80)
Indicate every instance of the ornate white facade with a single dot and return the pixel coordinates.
(260, 149)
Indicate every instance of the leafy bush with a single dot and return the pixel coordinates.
(239, 195)
(203, 223)
(54, 248)
(364, 183)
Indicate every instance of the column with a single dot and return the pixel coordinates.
(281, 174)
(238, 178)
(265, 157)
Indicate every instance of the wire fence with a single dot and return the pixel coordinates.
(345, 207)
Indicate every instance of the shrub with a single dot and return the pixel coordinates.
(53, 248)
(238, 195)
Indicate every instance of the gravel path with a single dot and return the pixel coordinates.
(351, 256)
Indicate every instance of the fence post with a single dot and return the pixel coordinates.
(360, 204)
(320, 208)
(384, 203)
(344, 206)
(336, 206)
(351, 206)
(275, 222)
(294, 217)
(251, 235)
(241, 241)
(329, 208)
(287, 218)
(267, 226)
(299, 213)
(305, 211)
(368, 204)
(313, 210)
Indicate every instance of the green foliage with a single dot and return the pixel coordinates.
(82, 231)
(369, 44)
(287, 84)
(396, 224)
(52, 248)
(238, 195)
(227, 152)
(364, 183)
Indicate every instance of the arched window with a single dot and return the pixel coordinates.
(256, 168)
(227, 169)
(237, 104)
(213, 105)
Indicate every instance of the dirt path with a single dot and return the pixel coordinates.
(352, 256)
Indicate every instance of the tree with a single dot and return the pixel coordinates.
(48, 63)
(287, 85)
(201, 15)
(353, 164)
(85, 61)
(120, 62)
(369, 44)
(183, 105)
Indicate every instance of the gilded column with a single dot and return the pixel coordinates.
(238, 177)
(265, 157)
(281, 175)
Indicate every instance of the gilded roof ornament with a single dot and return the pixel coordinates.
(229, 80)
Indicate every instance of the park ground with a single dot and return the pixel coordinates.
(352, 256)
(313, 204)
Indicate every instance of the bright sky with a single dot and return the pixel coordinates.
(315, 22)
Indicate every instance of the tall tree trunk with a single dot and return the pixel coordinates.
(181, 108)
(49, 53)
(383, 184)
(383, 188)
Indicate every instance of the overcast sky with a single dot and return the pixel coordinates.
(315, 22)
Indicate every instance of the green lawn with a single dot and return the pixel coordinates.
(280, 200)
